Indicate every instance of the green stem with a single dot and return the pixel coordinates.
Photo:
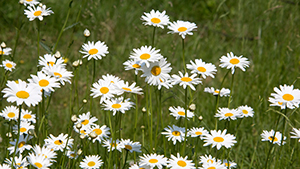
(185, 121)
(112, 133)
(16, 44)
(38, 39)
(18, 136)
(94, 74)
(153, 36)
(125, 160)
(231, 88)
(183, 57)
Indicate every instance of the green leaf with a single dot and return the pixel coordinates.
(45, 47)
(71, 26)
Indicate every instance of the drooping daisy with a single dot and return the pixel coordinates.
(59, 142)
(231, 62)
(180, 112)
(22, 92)
(156, 72)
(224, 92)
(21, 144)
(105, 89)
(202, 68)
(182, 28)
(245, 111)
(286, 96)
(44, 151)
(94, 50)
(10, 113)
(130, 145)
(5, 51)
(133, 64)
(8, 65)
(38, 161)
(91, 162)
(186, 80)
(296, 133)
(27, 116)
(197, 132)
(45, 82)
(227, 114)
(180, 162)
(229, 164)
(146, 55)
(101, 132)
(112, 145)
(51, 60)
(207, 159)
(117, 105)
(174, 133)
(37, 12)
(153, 160)
(215, 165)
(61, 73)
(219, 138)
(24, 127)
(125, 87)
(155, 18)
(271, 136)
(18, 162)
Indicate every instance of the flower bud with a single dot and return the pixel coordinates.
(84, 101)
(21, 2)
(40, 4)
(82, 136)
(78, 126)
(75, 63)
(200, 118)
(93, 135)
(3, 45)
(142, 127)
(86, 33)
(192, 107)
(79, 151)
(74, 118)
(144, 109)
(57, 55)
(8, 134)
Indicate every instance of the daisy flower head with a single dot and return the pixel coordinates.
(219, 138)
(37, 12)
(21, 92)
(39, 161)
(130, 145)
(157, 72)
(180, 162)
(207, 159)
(153, 160)
(286, 96)
(229, 164)
(4, 166)
(44, 151)
(60, 142)
(275, 102)
(101, 132)
(5, 51)
(30, 2)
(133, 64)
(72, 154)
(24, 127)
(174, 133)
(202, 68)
(125, 87)
(27, 116)
(112, 145)
(231, 62)
(47, 83)
(165, 83)
(112, 79)
(182, 28)
(227, 114)
(186, 80)
(105, 89)
(91, 162)
(86, 120)
(272, 137)
(58, 71)
(224, 92)
(8, 65)
(155, 18)
(197, 132)
(21, 144)
(296, 133)
(117, 105)
(180, 112)
(146, 55)
(245, 111)
(10, 113)
(18, 162)
(51, 60)
(94, 50)
(215, 165)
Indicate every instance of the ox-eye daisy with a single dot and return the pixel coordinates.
(112, 145)
(174, 133)
(156, 18)
(101, 132)
(272, 137)
(27, 115)
(87, 121)
(202, 68)
(216, 92)
(60, 142)
(186, 80)
(131, 146)
(5, 51)
(91, 162)
(229, 164)
(105, 89)
(50, 60)
(117, 104)
(58, 71)
(94, 50)
(37, 12)
(146, 55)
(180, 162)
(296, 133)
(21, 145)
(39, 161)
(153, 160)
(207, 159)
(47, 83)
(215, 165)
(18, 162)
(48, 153)
(286, 96)
(227, 114)
(133, 64)
(197, 132)
(219, 138)
(231, 62)
(24, 127)
(180, 112)
(10, 113)
(245, 111)
(182, 28)
(125, 87)
(21, 92)
(8, 65)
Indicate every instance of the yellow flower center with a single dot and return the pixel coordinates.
(8, 65)
(234, 61)
(211, 168)
(37, 13)
(43, 83)
(39, 165)
(11, 114)
(198, 133)
(217, 91)
(201, 69)
(98, 131)
(288, 97)
(181, 113)
(155, 20)
(271, 138)
(128, 147)
(186, 79)
(228, 114)
(27, 116)
(218, 139)
(156, 70)
(57, 74)
(93, 51)
(85, 122)
(116, 106)
(181, 163)
(28, 0)
(210, 161)
(22, 94)
(245, 111)
(136, 66)
(153, 161)
(226, 164)
(58, 142)
(145, 56)
(280, 103)
(127, 89)
(83, 132)
(23, 129)
(1, 52)
(104, 90)
(182, 29)
(50, 63)
(176, 133)
(91, 164)
(21, 144)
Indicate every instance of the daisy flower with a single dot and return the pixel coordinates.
(165, 83)
(271, 136)
(174, 133)
(50, 60)
(39, 161)
(231, 62)
(186, 80)
(5, 51)
(45, 82)
(197, 132)
(112, 79)
(207, 159)
(4, 166)
(133, 64)
(21, 145)
(86, 120)
(113, 145)
(229, 164)
(153, 160)
(216, 92)
(157, 72)
(101, 132)
(105, 89)
(45, 152)
(125, 87)
(286, 96)
(18, 162)
(182, 28)
(22, 92)
(202, 68)
(30, 2)
(219, 139)
(216, 165)
(275, 102)
(72, 154)
(296, 133)
(180, 162)
(8, 65)
(117, 105)
(94, 50)
(10, 113)
(27, 116)
(180, 112)
(59, 142)
(91, 161)
(24, 127)
(61, 73)
(146, 55)
(245, 111)
(136, 166)
(131, 146)
(227, 114)
(155, 18)
(37, 12)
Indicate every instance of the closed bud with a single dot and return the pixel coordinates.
(78, 126)
(8, 134)
(142, 127)
(144, 109)
(192, 107)
(84, 101)
(79, 151)
(86, 33)
(82, 136)
(3, 45)
(75, 63)
(21, 2)
(200, 118)
(74, 118)
(93, 135)
(40, 4)
(57, 55)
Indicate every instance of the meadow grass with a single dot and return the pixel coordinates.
(266, 32)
